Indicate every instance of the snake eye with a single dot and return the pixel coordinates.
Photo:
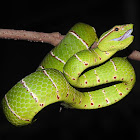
(116, 29)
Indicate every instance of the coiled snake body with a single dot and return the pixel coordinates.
(62, 70)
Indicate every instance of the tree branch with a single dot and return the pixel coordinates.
(135, 55)
(51, 38)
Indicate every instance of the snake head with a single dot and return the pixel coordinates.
(117, 38)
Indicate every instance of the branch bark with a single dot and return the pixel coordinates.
(135, 55)
(51, 38)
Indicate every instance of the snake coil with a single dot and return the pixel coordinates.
(62, 70)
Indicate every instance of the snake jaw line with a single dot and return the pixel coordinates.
(124, 36)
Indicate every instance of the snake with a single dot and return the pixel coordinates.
(74, 64)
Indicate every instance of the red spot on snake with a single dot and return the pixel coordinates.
(99, 105)
(85, 82)
(41, 104)
(80, 102)
(73, 78)
(79, 73)
(73, 99)
(107, 101)
(120, 94)
(122, 79)
(115, 77)
(99, 80)
(131, 79)
(27, 120)
(100, 58)
(58, 97)
(126, 88)
(92, 104)
(67, 95)
(85, 106)
(106, 81)
(86, 64)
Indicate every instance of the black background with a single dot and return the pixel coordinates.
(20, 58)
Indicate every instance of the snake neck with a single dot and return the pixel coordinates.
(103, 55)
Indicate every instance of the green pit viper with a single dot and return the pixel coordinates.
(64, 68)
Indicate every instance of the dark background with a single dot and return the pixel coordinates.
(20, 58)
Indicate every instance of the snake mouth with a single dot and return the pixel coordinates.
(126, 35)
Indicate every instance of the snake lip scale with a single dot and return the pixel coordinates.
(65, 69)
(126, 35)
